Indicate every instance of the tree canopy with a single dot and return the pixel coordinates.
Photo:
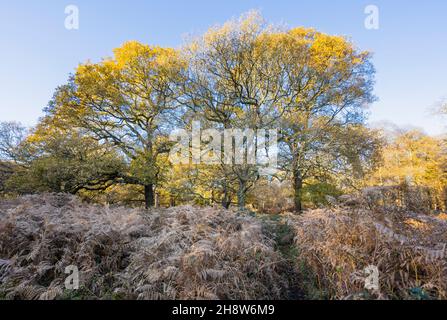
(108, 128)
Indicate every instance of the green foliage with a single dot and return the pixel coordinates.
(67, 162)
(316, 193)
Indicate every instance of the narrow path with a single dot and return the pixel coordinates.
(284, 244)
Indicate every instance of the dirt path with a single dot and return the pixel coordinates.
(284, 242)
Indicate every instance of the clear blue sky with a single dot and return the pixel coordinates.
(37, 52)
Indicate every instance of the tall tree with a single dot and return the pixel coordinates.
(331, 82)
(233, 83)
(127, 101)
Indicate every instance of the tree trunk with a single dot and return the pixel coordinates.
(298, 190)
(213, 199)
(241, 194)
(225, 199)
(149, 197)
(225, 203)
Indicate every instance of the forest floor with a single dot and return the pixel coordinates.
(211, 253)
(122, 253)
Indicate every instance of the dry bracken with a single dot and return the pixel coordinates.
(177, 253)
(408, 249)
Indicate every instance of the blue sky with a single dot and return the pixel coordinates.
(37, 52)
